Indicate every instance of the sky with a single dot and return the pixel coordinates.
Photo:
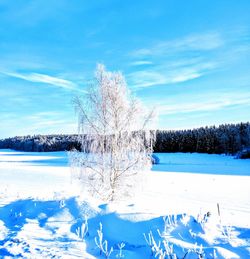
(190, 60)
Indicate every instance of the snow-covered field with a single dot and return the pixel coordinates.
(206, 199)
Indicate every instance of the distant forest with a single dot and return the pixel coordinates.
(227, 138)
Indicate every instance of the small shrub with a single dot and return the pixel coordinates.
(155, 159)
(244, 154)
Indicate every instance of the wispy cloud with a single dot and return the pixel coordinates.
(199, 42)
(43, 78)
(47, 122)
(176, 60)
(168, 74)
(38, 116)
(141, 63)
(187, 58)
(32, 12)
(202, 106)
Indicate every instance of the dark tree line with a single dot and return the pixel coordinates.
(227, 138)
(41, 143)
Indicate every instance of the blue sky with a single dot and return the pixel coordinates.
(189, 59)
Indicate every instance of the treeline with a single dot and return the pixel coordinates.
(41, 143)
(228, 139)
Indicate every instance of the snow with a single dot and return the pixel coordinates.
(41, 211)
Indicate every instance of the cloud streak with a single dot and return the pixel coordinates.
(141, 63)
(176, 61)
(168, 74)
(43, 78)
(199, 42)
(46, 122)
(202, 106)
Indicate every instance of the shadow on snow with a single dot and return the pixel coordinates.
(117, 229)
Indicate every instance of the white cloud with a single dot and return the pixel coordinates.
(197, 42)
(50, 122)
(141, 63)
(161, 76)
(207, 41)
(185, 77)
(176, 61)
(42, 78)
(203, 105)
(187, 58)
(147, 78)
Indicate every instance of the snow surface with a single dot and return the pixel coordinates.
(42, 213)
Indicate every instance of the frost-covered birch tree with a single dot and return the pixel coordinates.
(116, 138)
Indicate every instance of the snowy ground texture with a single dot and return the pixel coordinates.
(192, 206)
